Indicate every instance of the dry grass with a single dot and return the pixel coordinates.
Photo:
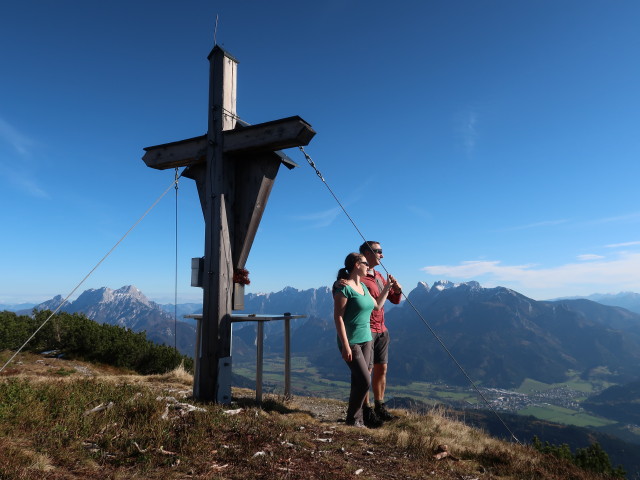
(106, 425)
(177, 375)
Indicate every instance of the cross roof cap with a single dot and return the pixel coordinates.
(218, 48)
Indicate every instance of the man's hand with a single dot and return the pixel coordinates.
(339, 284)
(395, 286)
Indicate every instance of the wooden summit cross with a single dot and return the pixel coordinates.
(234, 167)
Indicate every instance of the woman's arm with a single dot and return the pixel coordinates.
(383, 296)
(339, 306)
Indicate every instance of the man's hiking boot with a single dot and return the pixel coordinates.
(382, 413)
(371, 420)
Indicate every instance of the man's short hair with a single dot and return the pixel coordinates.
(367, 247)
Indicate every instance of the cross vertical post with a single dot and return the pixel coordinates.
(215, 339)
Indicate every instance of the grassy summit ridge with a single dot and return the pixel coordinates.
(67, 419)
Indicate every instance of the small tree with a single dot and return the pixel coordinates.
(592, 458)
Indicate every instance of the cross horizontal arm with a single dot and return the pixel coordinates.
(275, 135)
(176, 154)
(263, 137)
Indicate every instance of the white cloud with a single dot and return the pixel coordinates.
(467, 126)
(590, 256)
(628, 218)
(21, 143)
(22, 180)
(30, 186)
(325, 218)
(545, 223)
(320, 219)
(470, 132)
(19, 172)
(599, 275)
(469, 270)
(626, 244)
(420, 212)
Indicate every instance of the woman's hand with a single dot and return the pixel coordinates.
(384, 293)
(346, 353)
(390, 283)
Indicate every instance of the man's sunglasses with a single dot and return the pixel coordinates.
(377, 250)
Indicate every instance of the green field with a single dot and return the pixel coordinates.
(557, 414)
(573, 381)
(596, 382)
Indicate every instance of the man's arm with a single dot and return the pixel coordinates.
(395, 297)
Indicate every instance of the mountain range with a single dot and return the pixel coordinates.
(128, 307)
(498, 336)
(628, 300)
(501, 337)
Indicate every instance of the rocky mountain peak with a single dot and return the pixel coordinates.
(443, 285)
(133, 293)
(52, 304)
(95, 295)
(420, 292)
(126, 306)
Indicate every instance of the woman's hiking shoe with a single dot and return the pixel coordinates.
(382, 413)
(356, 423)
(371, 420)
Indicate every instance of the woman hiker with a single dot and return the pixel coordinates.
(351, 312)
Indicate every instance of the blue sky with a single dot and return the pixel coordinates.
(488, 140)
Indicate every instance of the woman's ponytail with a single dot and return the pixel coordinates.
(343, 274)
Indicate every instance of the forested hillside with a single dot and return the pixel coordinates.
(76, 336)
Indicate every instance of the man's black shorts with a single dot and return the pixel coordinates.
(380, 348)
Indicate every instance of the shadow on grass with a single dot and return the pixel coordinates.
(268, 405)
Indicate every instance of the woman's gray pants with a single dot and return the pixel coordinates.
(360, 380)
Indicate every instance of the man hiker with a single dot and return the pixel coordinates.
(375, 283)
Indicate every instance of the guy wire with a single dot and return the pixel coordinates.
(90, 273)
(175, 288)
(433, 332)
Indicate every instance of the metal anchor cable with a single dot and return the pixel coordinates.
(88, 275)
(175, 293)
